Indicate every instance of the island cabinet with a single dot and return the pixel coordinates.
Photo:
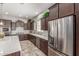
(66, 9)
(44, 46)
(53, 12)
(76, 8)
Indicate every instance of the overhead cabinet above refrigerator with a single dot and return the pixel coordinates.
(61, 35)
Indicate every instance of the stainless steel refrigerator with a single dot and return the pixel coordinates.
(61, 34)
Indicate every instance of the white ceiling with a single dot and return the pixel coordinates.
(24, 10)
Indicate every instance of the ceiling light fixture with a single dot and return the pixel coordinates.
(36, 12)
(1, 23)
(6, 13)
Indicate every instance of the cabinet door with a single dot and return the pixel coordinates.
(43, 23)
(13, 26)
(44, 46)
(32, 25)
(66, 9)
(77, 35)
(8, 23)
(33, 39)
(53, 12)
(46, 23)
(21, 37)
(19, 24)
(76, 8)
(38, 42)
(25, 26)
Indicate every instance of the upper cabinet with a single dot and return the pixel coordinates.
(13, 26)
(25, 26)
(76, 8)
(6, 23)
(43, 24)
(66, 9)
(32, 25)
(19, 24)
(53, 12)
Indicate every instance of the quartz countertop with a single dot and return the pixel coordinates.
(40, 36)
(28, 32)
(9, 44)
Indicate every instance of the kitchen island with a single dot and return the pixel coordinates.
(10, 46)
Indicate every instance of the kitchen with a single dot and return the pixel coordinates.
(39, 29)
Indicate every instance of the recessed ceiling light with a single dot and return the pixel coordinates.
(1, 23)
(36, 12)
(6, 13)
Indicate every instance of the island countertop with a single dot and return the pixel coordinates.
(9, 44)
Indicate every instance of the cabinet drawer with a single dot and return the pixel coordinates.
(44, 46)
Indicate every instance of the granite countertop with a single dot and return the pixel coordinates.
(9, 44)
(40, 36)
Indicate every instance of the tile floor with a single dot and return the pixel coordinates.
(29, 49)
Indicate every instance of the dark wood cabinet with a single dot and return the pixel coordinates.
(43, 24)
(32, 39)
(32, 25)
(53, 12)
(44, 46)
(77, 34)
(19, 24)
(38, 42)
(66, 9)
(46, 23)
(76, 8)
(29, 25)
(13, 26)
(23, 37)
(25, 26)
(6, 23)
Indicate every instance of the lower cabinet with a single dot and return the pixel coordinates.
(44, 46)
(38, 42)
(32, 39)
(23, 37)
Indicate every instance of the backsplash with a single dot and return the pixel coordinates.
(20, 30)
